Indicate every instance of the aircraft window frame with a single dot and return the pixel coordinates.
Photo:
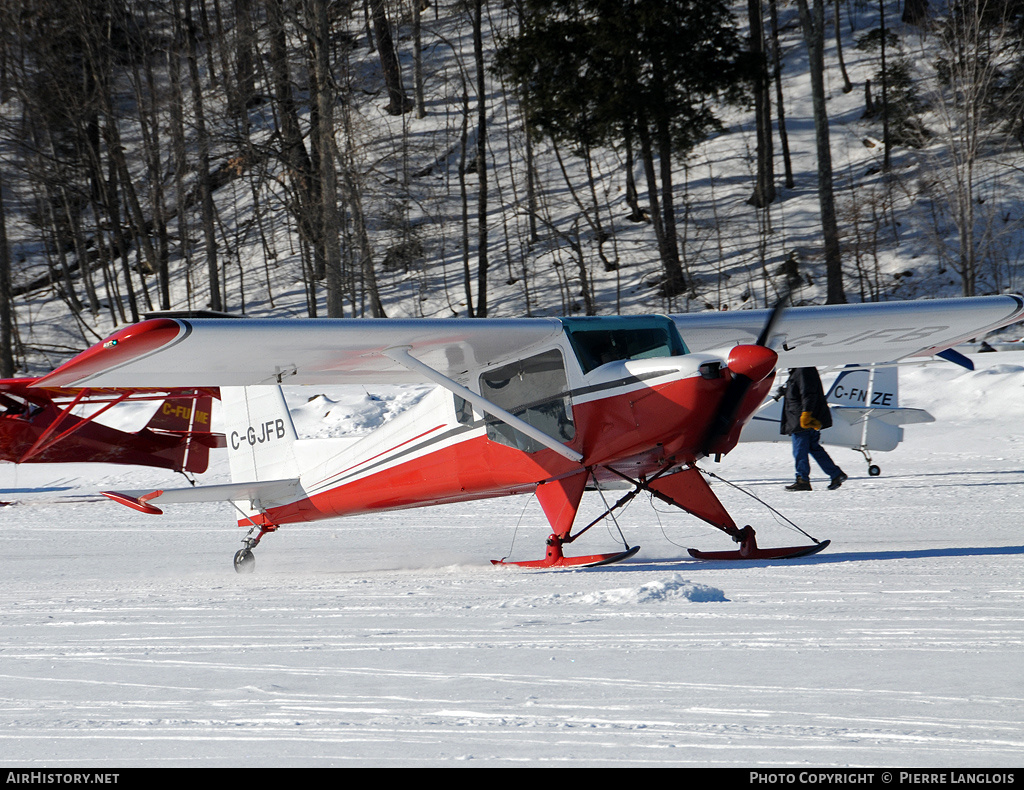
(12, 405)
(463, 410)
(598, 341)
(534, 389)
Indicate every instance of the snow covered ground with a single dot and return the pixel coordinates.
(128, 640)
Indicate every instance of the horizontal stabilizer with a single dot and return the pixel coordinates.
(206, 439)
(852, 415)
(954, 356)
(263, 494)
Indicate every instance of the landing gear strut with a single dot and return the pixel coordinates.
(874, 470)
(245, 560)
(687, 490)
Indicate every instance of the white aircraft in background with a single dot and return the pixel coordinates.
(866, 415)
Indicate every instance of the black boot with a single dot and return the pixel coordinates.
(837, 481)
(801, 484)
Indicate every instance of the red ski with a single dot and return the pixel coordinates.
(749, 550)
(555, 559)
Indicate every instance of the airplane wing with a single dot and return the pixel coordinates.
(177, 352)
(866, 334)
(300, 351)
(852, 415)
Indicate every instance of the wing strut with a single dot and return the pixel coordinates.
(44, 442)
(401, 355)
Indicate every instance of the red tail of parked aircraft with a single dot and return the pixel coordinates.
(57, 425)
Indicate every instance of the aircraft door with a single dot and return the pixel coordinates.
(536, 390)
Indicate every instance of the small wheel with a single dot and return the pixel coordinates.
(874, 470)
(245, 561)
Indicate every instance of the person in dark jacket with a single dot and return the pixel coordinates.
(805, 414)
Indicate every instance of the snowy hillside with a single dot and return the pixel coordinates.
(899, 235)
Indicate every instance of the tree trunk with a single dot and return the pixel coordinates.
(244, 93)
(886, 137)
(179, 158)
(398, 102)
(847, 85)
(417, 59)
(481, 160)
(330, 221)
(764, 186)
(814, 36)
(203, 147)
(353, 199)
(6, 305)
(675, 280)
(303, 176)
(787, 160)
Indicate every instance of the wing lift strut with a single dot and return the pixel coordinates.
(46, 439)
(401, 355)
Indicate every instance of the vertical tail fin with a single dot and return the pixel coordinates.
(866, 388)
(191, 418)
(260, 434)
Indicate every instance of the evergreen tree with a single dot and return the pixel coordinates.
(649, 71)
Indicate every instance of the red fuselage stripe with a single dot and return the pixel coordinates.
(638, 430)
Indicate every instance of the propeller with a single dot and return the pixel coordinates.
(749, 364)
(773, 317)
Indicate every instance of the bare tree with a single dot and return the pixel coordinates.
(203, 146)
(787, 160)
(764, 187)
(847, 85)
(325, 99)
(483, 262)
(398, 102)
(814, 35)
(976, 98)
(6, 300)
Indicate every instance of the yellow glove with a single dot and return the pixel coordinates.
(808, 422)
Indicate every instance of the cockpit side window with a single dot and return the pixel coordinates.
(534, 389)
(13, 406)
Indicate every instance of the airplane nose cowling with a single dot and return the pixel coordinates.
(754, 362)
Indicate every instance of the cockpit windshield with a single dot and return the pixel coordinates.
(604, 339)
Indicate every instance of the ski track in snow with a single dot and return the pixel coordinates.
(127, 640)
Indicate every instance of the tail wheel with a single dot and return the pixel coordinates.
(245, 561)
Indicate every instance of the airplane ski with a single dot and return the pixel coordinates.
(749, 550)
(555, 559)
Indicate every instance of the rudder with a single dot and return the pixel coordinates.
(260, 434)
(190, 419)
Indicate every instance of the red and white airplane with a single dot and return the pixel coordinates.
(548, 406)
(40, 424)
